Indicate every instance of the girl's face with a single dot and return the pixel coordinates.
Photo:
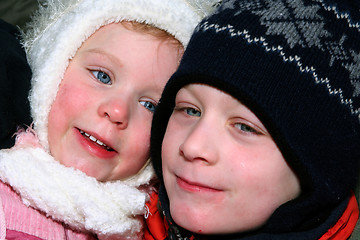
(222, 171)
(100, 120)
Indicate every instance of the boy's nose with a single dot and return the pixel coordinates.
(198, 145)
(117, 112)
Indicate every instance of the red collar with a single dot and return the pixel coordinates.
(156, 225)
(346, 224)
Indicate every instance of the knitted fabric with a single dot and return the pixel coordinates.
(296, 65)
(38, 224)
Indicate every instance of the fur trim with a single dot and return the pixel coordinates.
(68, 195)
(27, 138)
(61, 26)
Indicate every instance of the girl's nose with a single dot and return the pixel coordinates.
(198, 145)
(116, 110)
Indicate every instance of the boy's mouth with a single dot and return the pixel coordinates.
(95, 140)
(194, 186)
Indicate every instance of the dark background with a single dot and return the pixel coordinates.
(17, 12)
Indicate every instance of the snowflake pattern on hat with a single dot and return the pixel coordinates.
(304, 26)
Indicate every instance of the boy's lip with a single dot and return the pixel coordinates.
(193, 186)
(92, 146)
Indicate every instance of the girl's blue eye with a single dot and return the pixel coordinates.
(102, 77)
(148, 105)
(192, 112)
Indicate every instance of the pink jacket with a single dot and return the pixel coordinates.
(17, 221)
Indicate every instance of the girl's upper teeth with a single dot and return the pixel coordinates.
(92, 138)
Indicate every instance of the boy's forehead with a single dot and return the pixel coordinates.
(221, 93)
(227, 100)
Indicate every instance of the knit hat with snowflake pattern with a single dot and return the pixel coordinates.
(296, 65)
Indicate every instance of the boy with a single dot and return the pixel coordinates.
(98, 71)
(257, 134)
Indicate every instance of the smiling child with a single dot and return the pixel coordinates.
(257, 134)
(99, 68)
(102, 127)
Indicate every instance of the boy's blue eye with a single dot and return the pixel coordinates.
(192, 112)
(148, 105)
(102, 77)
(245, 128)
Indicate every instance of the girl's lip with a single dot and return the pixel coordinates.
(92, 147)
(195, 186)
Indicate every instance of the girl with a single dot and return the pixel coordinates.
(98, 71)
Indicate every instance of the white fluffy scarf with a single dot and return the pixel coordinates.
(68, 195)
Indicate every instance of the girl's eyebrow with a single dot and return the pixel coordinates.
(105, 54)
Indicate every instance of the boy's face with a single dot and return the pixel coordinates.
(100, 120)
(223, 172)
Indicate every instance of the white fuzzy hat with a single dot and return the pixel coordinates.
(61, 26)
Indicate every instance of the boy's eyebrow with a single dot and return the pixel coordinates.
(103, 53)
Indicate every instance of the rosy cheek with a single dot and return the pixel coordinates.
(72, 100)
(69, 103)
(63, 93)
(56, 111)
(138, 149)
(70, 96)
(141, 143)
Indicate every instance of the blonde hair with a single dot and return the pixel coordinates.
(154, 31)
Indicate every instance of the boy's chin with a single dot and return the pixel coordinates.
(193, 221)
(208, 222)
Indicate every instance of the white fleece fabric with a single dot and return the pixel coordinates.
(69, 196)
